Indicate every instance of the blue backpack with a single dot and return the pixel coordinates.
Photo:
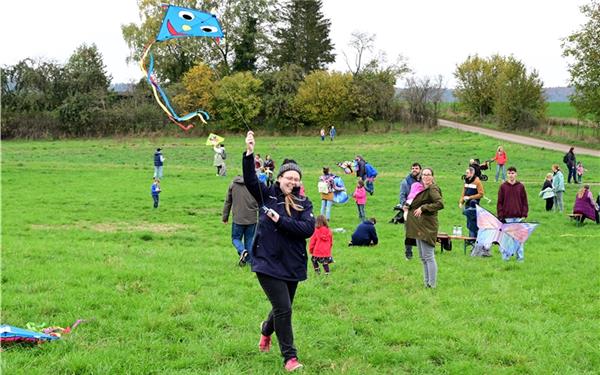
(370, 170)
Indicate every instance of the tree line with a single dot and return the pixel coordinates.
(269, 71)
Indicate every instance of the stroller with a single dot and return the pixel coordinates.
(399, 217)
(478, 168)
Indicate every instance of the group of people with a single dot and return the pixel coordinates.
(155, 190)
(332, 133)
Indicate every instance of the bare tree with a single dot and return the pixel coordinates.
(360, 43)
(423, 96)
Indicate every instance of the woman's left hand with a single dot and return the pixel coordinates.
(418, 212)
(273, 215)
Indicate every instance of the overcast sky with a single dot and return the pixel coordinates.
(434, 35)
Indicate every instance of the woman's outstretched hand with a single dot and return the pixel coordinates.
(249, 142)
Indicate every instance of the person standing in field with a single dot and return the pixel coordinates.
(155, 190)
(360, 196)
(471, 195)
(501, 160)
(571, 161)
(219, 159)
(159, 159)
(269, 166)
(405, 186)
(322, 134)
(245, 216)
(286, 221)
(320, 246)
(558, 184)
(512, 206)
(422, 224)
(332, 133)
(547, 192)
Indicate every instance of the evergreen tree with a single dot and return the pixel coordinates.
(245, 50)
(303, 39)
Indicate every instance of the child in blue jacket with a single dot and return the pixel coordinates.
(155, 190)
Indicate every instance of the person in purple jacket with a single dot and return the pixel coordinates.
(512, 206)
(585, 205)
(279, 249)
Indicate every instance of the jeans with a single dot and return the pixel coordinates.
(369, 186)
(572, 173)
(326, 208)
(471, 214)
(427, 255)
(155, 197)
(158, 171)
(498, 168)
(245, 232)
(558, 201)
(521, 249)
(408, 245)
(281, 295)
(361, 212)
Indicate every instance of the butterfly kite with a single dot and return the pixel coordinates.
(179, 22)
(508, 236)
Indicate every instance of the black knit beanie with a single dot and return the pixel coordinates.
(289, 165)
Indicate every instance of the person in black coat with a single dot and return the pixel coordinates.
(279, 249)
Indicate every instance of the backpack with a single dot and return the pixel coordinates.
(565, 159)
(323, 187)
(370, 170)
(224, 154)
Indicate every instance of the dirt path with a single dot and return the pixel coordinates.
(519, 138)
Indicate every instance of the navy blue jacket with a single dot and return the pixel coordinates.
(364, 234)
(157, 161)
(279, 249)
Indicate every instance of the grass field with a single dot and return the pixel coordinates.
(561, 109)
(163, 294)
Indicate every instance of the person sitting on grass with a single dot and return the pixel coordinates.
(365, 234)
(585, 205)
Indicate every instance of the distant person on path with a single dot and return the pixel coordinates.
(219, 159)
(360, 196)
(422, 224)
(405, 185)
(279, 249)
(512, 206)
(320, 246)
(159, 159)
(242, 204)
(322, 134)
(332, 133)
(558, 184)
(501, 160)
(365, 234)
(571, 161)
(585, 205)
(547, 192)
(472, 193)
(155, 190)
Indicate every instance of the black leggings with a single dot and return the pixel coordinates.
(549, 204)
(281, 294)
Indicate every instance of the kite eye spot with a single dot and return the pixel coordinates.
(209, 29)
(188, 16)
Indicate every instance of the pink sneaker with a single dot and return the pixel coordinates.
(292, 364)
(264, 345)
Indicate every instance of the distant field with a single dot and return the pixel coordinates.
(164, 295)
(561, 109)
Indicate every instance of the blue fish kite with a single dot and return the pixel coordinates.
(180, 22)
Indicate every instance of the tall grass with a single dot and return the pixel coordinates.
(162, 292)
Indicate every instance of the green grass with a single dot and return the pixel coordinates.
(163, 294)
(561, 110)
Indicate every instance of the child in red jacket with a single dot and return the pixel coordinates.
(320, 245)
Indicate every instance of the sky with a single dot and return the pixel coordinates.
(433, 35)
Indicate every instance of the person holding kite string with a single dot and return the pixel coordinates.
(280, 261)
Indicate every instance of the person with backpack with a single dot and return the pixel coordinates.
(219, 159)
(571, 161)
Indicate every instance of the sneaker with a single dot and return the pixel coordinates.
(264, 345)
(407, 257)
(292, 364)
(243, 258)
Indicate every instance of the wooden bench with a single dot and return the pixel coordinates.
(577, 218)
(466, 240)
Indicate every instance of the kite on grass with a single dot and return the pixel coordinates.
(14, 335)
(179, 22)
(508, 236)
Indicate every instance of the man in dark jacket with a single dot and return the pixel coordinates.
(365, 234)
(361, 169)
(245, 216)
(512, 206)
(571, 162)
(158, 163)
